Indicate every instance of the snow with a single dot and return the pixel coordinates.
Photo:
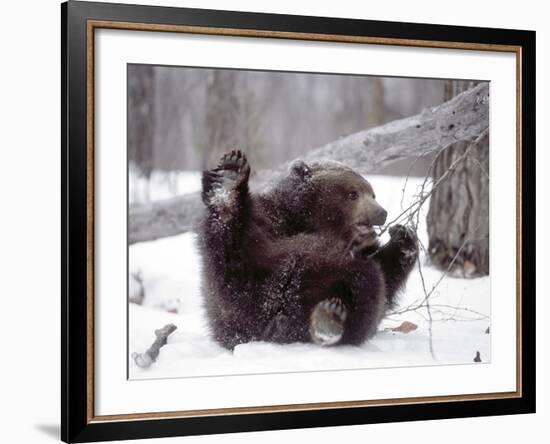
(162, 185)
(169, 271)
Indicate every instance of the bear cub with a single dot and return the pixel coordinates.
(300, 262)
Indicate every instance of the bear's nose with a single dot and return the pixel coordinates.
(379, 216)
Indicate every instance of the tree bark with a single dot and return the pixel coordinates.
(222, 113)
(458, 216)
(141, 118)
(464, 117)
(376, 113)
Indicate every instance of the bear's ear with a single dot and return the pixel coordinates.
(300, 168)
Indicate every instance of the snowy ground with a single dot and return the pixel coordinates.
(162, 185)
(169, 271)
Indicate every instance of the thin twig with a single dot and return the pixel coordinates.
(418, 203)
(424, 196)
(412, 212)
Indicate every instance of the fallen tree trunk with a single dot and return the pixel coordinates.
(462, 118)
(164, 218)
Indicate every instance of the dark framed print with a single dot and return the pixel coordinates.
(275, 221)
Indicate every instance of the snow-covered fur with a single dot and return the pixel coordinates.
(300, 262)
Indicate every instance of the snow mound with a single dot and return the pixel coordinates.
(167, 273)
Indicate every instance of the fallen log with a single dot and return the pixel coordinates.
(462, 118)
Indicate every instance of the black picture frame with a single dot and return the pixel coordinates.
(77, 425)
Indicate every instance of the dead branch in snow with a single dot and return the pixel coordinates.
(144, 360)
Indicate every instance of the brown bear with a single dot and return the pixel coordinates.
(300, 262)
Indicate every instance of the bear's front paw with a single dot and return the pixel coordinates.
(407, 242)
(327, 321)
(233, 168)
(221, 183)
(364, 239)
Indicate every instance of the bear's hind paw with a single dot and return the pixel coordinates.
(327, 321)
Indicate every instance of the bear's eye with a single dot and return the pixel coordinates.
(353, 195)
(374, 196)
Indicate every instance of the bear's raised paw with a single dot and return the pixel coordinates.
(223, 182)
(233, 168)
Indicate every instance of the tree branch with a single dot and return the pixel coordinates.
(464, 117)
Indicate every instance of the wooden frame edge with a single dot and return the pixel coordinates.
(237, 32)
(91, 25)
(90, 209)
(301, 407)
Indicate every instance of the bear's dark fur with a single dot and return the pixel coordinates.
(300, 262)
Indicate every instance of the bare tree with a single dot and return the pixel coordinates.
(222, 114)
(376, 112)
(280, 115)
(458, 216)
(141, 118)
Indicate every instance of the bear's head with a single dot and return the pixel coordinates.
(330, 196)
